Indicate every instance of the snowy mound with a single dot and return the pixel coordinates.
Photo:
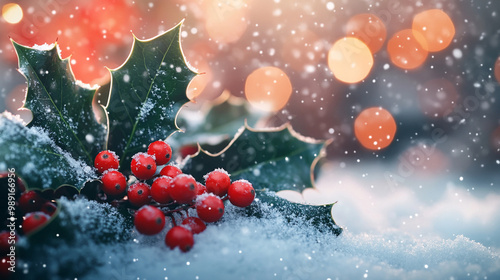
(241, 247)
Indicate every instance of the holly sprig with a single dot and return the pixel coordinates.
(57, 148)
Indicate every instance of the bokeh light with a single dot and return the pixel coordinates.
(436, 27)
(268, 88)
(375, 128)
(496, 70)
(368, 28)
(225, 22)
(199, 82)
(302, 50)
(92, 32)
(405, 51)
(350, 60)
(495, 139)
(424, 159)
(437, 97)
(12, 13)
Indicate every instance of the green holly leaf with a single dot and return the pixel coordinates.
(60, 105)
(215, 121)
(277, 159)
(147, 92)
(319, 216)
(74, 231)
(36, 158)
(272, 160)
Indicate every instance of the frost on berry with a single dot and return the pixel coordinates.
(194, 224)
(181, 237)
(170, 171)
(34, 221)
(114, 182)
(106, 160)
(241, 193)
(209, 207)
(161, 151)
(149, 220)
(160, 189)
(139, 194)
(217, 182)
(143, 166)
(222, 170)
(183, 188)
(31, 201)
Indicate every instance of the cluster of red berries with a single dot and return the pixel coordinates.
(35, 210)
(158, 194)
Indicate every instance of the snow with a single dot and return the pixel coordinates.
(389, 233)
(43, 47)
(12, 127)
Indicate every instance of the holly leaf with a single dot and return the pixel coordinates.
(77, 230)
(35, 157)
(215, 121)
(278, 159)
(272, 160)
(319, 216)
(147, 92)
(60, 105)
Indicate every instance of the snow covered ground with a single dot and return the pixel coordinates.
(436, 231)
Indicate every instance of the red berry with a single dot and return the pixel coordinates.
(106, 160)
(181, 237)
(170, 171)
(217, 182)
(139, 194)
(210, 209)
(196, 225)
(6, 241)
(113, 182)
(143, 166)
(161, 151)
(188, 150)
(149, 220)
(200, 188)
(31, 201)
(33, 221)
(241, 193)
(183, 188)
(5, 273)
(49, 208)
(160, 189)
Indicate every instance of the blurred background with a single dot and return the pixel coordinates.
(406, 89)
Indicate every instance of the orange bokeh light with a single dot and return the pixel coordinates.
(199, 82)
(436, 27)
(375, 128)
(368, 28)
(496, 70)
(405, 50)
(12, 13)
(268, 88)
(437, 97)
(301, 49)
(225, 22)
(495, 139)
(350, 60)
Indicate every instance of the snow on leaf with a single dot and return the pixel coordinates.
(36, 158)
(60, 105)
(72, 240)
(146, 94)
